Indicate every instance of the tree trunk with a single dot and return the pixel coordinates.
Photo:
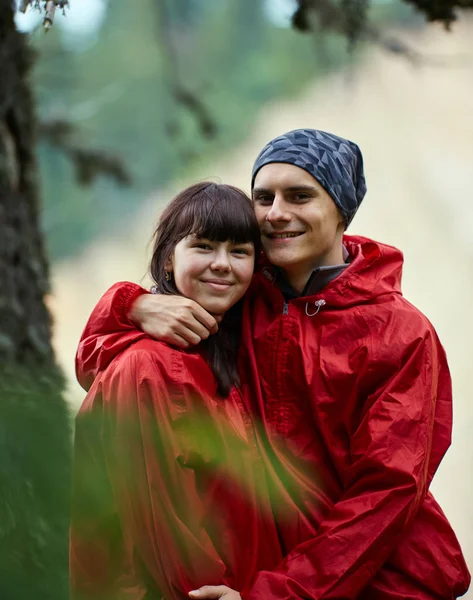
(34, 424)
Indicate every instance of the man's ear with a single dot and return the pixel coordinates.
(341, 221)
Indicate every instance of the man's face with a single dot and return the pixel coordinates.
(301, 227)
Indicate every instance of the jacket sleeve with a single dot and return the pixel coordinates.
(159, 510)
(107, 332)
(391, 464)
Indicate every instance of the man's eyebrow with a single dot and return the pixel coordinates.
(259, 190)
(301, 188)
(292, 188)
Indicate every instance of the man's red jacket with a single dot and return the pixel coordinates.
(350, 398)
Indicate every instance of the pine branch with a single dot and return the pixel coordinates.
(350, 17)
(326, 15)
(47, 6)
(88, 163)
(180, 91)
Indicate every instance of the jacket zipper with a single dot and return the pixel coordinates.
(317, 304)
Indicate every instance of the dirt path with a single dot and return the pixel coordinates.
(415, 127)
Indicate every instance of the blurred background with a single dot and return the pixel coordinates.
(169, 93)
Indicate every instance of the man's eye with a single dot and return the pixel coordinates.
(263, 199)
(301, 196)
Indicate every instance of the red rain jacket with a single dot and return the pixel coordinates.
(350, 396)
(168, 491)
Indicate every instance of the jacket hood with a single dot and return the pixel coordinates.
(375, 269)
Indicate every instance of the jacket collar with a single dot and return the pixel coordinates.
(319, 278)
(374, 269)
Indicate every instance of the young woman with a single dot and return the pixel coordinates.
(168, 491)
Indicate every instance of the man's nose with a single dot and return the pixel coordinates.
(278, 211)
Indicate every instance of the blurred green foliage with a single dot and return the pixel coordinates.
(34, 483)
(118, 92)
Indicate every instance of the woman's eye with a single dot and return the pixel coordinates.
(240, 251)
(203, 246)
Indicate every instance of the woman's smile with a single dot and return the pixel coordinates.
(218, 284)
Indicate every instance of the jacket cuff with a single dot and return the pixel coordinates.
(125, 303)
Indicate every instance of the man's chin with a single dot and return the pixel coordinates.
(279, 260)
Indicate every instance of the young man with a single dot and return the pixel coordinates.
(346, 383)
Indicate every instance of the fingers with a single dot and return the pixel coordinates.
(191, 331)
(181, 335)
(195, 326)
(173, 319)
(176, 334)
(193, 323)
(176, 340)
(205, 318)
(209, 591)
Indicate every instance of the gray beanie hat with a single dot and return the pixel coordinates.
(336, 163)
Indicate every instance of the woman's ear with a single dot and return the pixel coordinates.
(168, 265)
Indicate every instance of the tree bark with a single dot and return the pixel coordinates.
(34, 423)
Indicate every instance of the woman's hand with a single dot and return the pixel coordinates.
(214, 592)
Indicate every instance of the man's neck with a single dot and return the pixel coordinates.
(317, 279)
(298, 279)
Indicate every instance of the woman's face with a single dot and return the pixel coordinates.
(214, 274)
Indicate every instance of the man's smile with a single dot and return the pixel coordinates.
(284, 235)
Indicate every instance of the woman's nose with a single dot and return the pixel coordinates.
(221, 262)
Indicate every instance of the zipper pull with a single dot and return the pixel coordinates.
(285, 309)
(318, 305)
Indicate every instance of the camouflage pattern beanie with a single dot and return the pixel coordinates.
(336, 163)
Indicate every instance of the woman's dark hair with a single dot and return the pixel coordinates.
(216, 212)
